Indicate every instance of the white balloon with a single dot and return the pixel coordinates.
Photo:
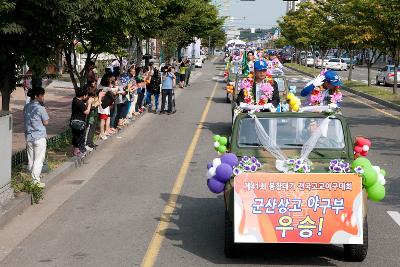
(377, 169)
(365, 148)
(381, 179)
(216, 144)
(216, 162)
(209, 176)
(211, 172)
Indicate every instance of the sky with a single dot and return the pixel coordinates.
(257, 14)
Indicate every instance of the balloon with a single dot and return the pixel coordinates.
(381, 179)
(365, 148)
(215, 186)
(383, 172)
(377, 169)
(216, 144)
(369, 177)
(376, 192)
(222, 149)
(364, 153)
(296, 107)
(230, 159)
(358, 149)
(362, 162)
(290, 96)
(212, 171)
(216, 148)
(223, 141)
(216, 138)
(216, 162)
(223, 173)
(209, 165)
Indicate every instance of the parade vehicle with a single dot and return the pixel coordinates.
(316, 206)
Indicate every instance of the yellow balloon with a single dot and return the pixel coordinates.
(290, 96)
(295, 107)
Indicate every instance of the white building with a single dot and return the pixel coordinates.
(292, 5)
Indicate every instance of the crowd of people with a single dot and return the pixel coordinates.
(108, 103)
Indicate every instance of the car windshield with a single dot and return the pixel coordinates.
(334, 60)
(291, 132)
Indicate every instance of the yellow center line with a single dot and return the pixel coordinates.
(377, 109)
(159, 234)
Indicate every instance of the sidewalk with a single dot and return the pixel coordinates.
(58, 99)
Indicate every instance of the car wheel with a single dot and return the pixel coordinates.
(357, 253)
(231, 249)
(385, 83)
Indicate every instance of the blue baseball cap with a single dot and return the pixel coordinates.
(332, 78)
(260, 65)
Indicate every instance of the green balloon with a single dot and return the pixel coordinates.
(216, 148)
(362, 162)
(223, 141)
(370, 177)
(383, 172)
(216, 138)
(376, 192)
(222, 149)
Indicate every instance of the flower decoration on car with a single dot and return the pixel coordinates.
(298, 165)
(247, 164)
(339, 166)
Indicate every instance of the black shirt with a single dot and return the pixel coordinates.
(78, 107)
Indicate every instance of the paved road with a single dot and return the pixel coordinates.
(106, 213)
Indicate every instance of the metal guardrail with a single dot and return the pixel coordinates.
(22, 157)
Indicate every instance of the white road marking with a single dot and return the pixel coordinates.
(395, 216)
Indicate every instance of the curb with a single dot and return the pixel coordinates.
(17, 205)
(364, 95)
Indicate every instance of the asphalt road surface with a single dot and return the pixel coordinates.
(142, 198)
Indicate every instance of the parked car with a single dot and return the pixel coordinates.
(198, 63)
(336, 64)
(321, 63)
(348, 60)
(310, 61)
(386, 76)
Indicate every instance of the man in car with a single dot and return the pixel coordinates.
(325, 83)
(260, 77)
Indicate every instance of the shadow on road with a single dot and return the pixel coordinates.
(223, 128)
(197, 226)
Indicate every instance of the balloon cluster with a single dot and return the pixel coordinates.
(361, 147)
(294, 102)
(298, 165)
(220, 171)
(220, 143)
(373, 178)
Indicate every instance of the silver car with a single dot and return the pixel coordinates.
(386, 75)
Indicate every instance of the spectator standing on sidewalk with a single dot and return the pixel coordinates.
(92, 118)
(182, 74)
(175, 65)
(92, 76)
(167, 89)
(78, 120)
(188, 72)
(35, 120)
(153, 88)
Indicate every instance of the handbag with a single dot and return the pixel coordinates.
(77, 125)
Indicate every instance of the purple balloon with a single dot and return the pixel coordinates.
(215, 186)
(230, 159)
(209, 165)
(223, 173)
